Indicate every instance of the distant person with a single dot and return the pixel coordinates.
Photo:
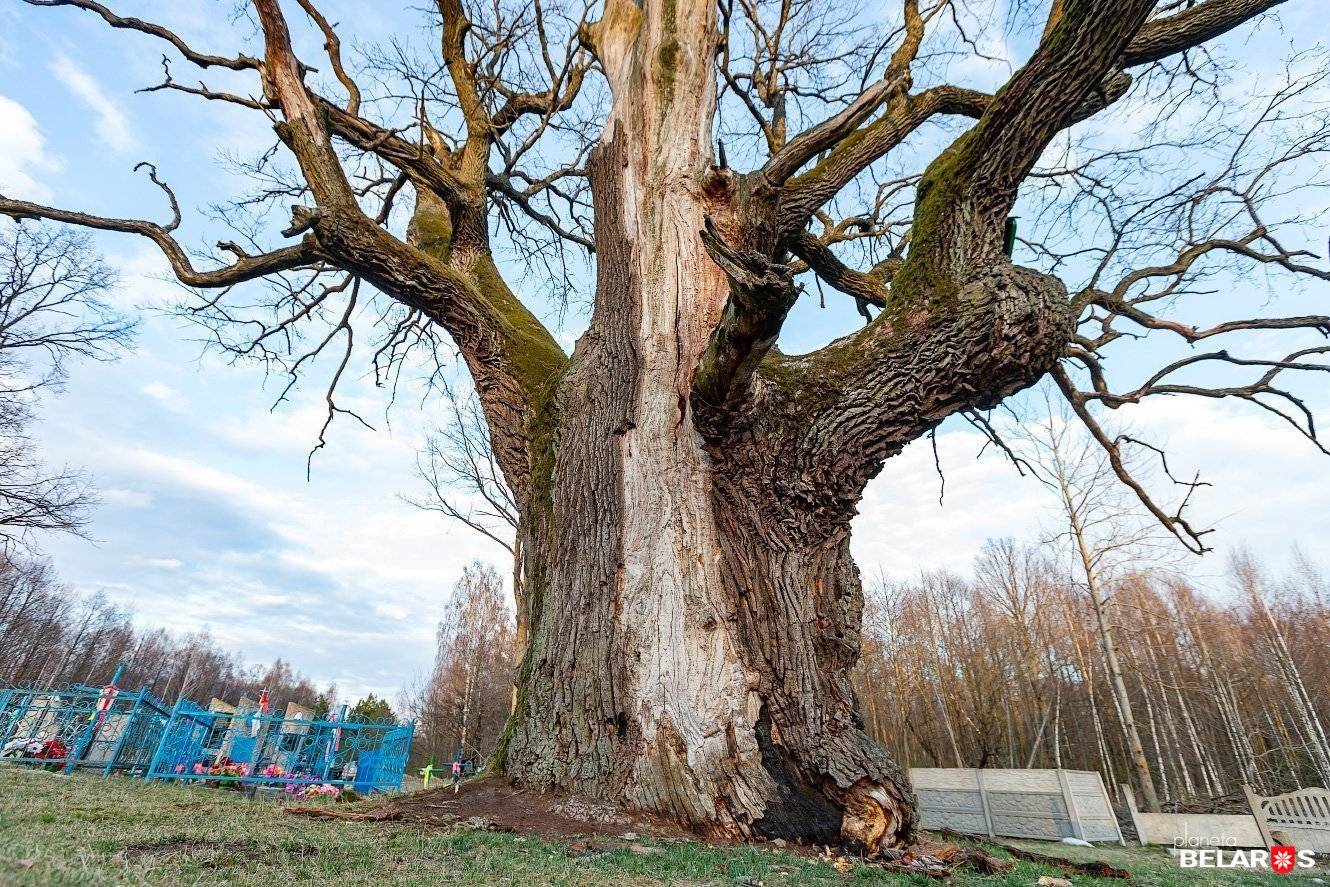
(457, 776)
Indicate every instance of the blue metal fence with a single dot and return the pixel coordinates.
(249, 748)
(82, 727)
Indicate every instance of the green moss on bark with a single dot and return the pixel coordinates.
(431, 230)
(536, 359)
(923, 277)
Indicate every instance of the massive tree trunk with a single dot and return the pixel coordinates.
(689, 655)
(693, 609)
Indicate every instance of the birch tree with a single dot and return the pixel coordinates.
(1202, 661)
(1105, 539)
(461, 706)
(1296, 695)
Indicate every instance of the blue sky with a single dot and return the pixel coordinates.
(207, 519)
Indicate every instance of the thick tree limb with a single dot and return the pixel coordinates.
(509, 352)
(475, 150)
(303, 129)
(807, 145)
(967, 192)
(802, 196)
(420, 165)
(559, 97)
(1156, 40)
(871, 287)
(1181, 31)
(864, 397)
(830, 132)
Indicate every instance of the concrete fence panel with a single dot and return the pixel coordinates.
(1219, 830)
(1300, 818)
(1045, 804)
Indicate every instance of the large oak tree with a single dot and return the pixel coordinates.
(690, 610)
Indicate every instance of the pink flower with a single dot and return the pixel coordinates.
(199, 770)
(180, 768)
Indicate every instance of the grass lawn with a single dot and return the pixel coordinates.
(57, 830)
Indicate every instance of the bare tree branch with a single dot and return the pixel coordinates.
(203, 60)
(246, 267)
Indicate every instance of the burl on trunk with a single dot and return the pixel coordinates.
(693, 609)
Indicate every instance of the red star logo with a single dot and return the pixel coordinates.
(1282, 859)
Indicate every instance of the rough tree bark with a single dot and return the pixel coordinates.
(690, 606)
(695, 611)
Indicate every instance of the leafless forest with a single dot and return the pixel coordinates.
(50, 636)
(464, 701)
(1004, 668)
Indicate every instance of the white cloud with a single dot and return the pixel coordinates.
(188, 474)
(902, 529)
(1268, 492)
(169, 397)
(158, 563)
(126, 498)
(24, 155)
(567, 339)
(112, 125)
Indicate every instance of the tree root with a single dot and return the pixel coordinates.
(937, 861)
(387, 813)
(1096, 867)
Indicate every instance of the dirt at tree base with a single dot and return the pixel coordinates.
(495, 804)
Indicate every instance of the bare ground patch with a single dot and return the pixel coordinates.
(495, 805)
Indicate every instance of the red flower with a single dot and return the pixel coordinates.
(52, 750)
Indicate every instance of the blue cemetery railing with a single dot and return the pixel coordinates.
(248, 748)
(382, 770)
(81, 727)
(183, 741)
(84, 727)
